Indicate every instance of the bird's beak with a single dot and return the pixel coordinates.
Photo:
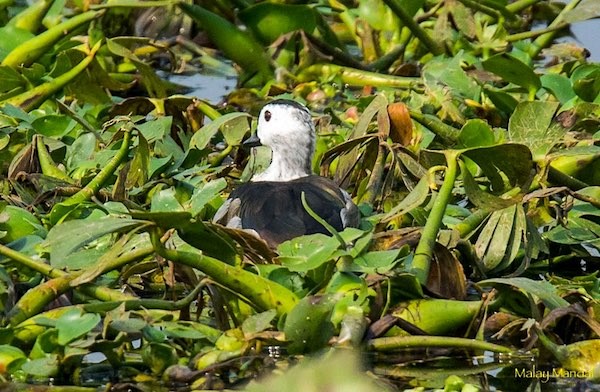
(252, 141)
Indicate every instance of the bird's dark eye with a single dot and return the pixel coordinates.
(267, 115)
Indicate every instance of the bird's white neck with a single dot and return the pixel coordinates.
(287, 164)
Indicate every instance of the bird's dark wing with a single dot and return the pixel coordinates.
(270, 208)
(275, 211)
(325, 198)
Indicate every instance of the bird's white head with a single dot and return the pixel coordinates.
(287, 128)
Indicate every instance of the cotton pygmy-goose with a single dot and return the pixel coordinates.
(271, 204)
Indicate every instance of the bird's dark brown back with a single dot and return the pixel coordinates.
(275, 211)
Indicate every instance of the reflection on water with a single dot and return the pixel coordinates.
(210, 87)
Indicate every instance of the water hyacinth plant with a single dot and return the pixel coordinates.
(467, 133)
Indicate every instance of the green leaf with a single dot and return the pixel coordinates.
(42, 367)
(11, 38)
(234, 130)
(165, 201)
(12, 81)
(377, 262)
(507, 166)
(203, 195)
(504, 102)
(476, 133)
(138, 170)
(258, 322)
(205, 236)
(131, 326)
(70, 236)
(497, 237)
(586, 82)
(413, 200)
(480, 197)
(578, 231)
(308, 326)
(73, 325)
(586, 9)
(156, 129)
(81, 151)
(293, 281)
(582, 208)
(559, 85)
(307, 252)
(53, 125)
(18, 223)
(543, 290)
(531, 125)
(342, 282)
(9, 354)
(159, 356)
(4, 140)
(449, 72)
(119, 46)
(188, 330)
(514, 71)
(268, 21)
(201, 138)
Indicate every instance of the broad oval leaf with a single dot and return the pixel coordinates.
(201, 138)
(531, 125)
(307, 252)
(75, 324)
(514, 71)
(268, 21)
(70, 236)
(476, 133)
(308, 326)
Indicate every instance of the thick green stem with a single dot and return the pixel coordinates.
(471, 222)
(260, 292)
(437, 126)
(32, 49)
(31, 99)
(35, 299)
(534, 33)
(409, 22)
(30, 18)
(400, 342)
(207, 110)
(30, 263)
(520, 5)
(544, 40)
(386, 61)
(484, 9)
(422, 260)
(47, 270)
(355, 77)
(145, 303)
(47, 164)
(60, 210)
(131, 4)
